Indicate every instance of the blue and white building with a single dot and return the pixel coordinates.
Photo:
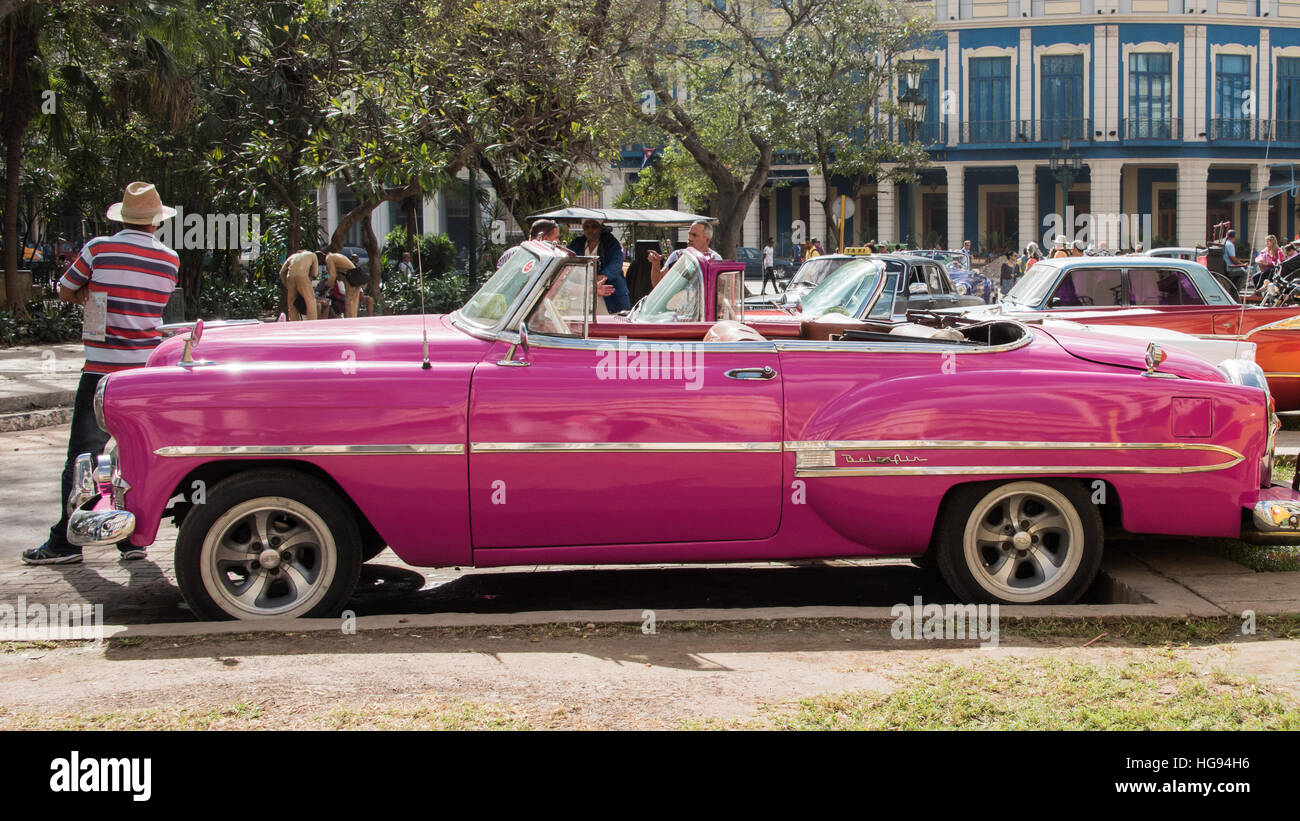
(1177, 110)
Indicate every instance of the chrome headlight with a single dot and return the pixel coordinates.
(99, 403)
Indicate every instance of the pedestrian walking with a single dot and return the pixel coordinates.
(122, 281)
(769, 268)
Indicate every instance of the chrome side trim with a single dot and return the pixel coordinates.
(1005, 470)
(305, 450)
(814, 459)
(800, 345)
(625, 447)
(977, 444)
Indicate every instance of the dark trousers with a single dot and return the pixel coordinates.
(770, 273)
(85, 437)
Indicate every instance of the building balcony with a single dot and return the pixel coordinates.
(1142, 129)
(926, 134)
(1025, 131)
(1229, 130)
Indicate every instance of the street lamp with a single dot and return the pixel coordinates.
(913, 104)
(1066, 165)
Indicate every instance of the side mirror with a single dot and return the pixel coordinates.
(1055, 302)
(523, 338)
(187, 355)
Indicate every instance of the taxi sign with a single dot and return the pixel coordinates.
(857, 250)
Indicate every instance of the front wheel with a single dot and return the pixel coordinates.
(268, 544)
(1019, 542)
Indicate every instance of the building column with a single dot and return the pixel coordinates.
(817, 214)
(752, 227)
(1254, 215)
(953, 117)
(381, 222)
(1193, 179)
(1104, 195)
(1027, 203)
(886, 200)
(331, 208)
(1195, 56)
(957, 206)
(431, 205)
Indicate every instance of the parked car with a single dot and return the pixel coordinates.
(1165, 293)
(536, 432)
(913, 282)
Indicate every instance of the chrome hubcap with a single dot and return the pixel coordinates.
(1023, 542)
(268, 557)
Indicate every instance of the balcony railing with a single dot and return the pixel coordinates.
(926, 133)
(1145, 128)
(1025, 131)
(1228, 130)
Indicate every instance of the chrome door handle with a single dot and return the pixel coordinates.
(765, 372)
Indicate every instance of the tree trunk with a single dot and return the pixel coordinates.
(371, 243)
(13, 166)
(191, 279)
(19, 106)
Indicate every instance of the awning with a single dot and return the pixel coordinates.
(642, 216)
(1255, 196)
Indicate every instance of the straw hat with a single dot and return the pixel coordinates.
(140, 205)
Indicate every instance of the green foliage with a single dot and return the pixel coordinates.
(436, 253)
(441, 294)
(224, 299)
(45, 322)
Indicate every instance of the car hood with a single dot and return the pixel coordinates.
(1130, 353)
(386, 338)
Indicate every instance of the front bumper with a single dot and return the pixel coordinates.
(95, 517)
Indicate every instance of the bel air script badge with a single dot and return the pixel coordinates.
(895, 459)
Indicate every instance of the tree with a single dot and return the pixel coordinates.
(843, 61)
(725, 81)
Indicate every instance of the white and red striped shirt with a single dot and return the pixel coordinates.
(138, 273)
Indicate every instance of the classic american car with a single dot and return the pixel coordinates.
(525, 429)
(1166, 293)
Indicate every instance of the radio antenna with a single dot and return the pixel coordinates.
(424, 318)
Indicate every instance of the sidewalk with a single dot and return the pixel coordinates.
(38, 384)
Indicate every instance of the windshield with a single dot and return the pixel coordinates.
(679, 296)
(812, 273)
(846, 291)
(1034, 285)
(493, 301)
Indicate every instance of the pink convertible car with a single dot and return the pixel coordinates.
(524, 429)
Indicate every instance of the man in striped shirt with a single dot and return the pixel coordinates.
(123, 281)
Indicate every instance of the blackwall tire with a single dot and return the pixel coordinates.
(1025, 542)
(268, 544)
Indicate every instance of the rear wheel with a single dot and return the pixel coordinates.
(268, 544)
(1019, 542)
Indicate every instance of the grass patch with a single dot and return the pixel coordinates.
(1260, 558)
(238, 716)
(1153, 631)
(1053, 694)
(464, 715)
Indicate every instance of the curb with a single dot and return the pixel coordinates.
(41, 400)
(35, 418)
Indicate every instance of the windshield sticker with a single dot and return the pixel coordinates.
(528, 266)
